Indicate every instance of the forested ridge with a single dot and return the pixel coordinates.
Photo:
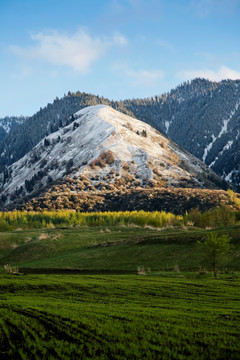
(201, 116)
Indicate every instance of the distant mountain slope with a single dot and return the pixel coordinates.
(104, 149)
(203, 117)
(9, 123)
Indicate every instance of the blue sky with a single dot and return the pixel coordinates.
(114, 48)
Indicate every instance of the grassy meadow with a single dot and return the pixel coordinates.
(78, 296)
(171, 316)
(110, 249)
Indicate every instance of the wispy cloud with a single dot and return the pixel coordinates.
(144, 77)
(164, 44)
(77, 51)
(152, 9)
(22, 72)
(123, 11)
(120, 40)
(204, 8)
(222, 73)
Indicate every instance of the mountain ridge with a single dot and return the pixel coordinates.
(205, 123)
(103, 149)
(201, 116)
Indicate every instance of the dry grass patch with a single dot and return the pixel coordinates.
(44, 236)
(11, 269)
(57, 236)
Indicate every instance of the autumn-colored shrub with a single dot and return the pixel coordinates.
(125, 166)
(106, 157)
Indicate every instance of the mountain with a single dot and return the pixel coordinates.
(103, 152)
(8, 123)
(203, 117)
(46, 121)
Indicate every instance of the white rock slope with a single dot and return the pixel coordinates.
(137, 151)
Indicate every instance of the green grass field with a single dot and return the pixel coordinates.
(171, 316)
(116, 249)
(80, 297)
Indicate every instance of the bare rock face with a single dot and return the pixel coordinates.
(101, 151)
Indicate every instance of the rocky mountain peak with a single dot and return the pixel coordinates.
(104, 149)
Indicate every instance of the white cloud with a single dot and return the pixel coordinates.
(221, 74)
(77, 51)
(144, 77)
(120, 40)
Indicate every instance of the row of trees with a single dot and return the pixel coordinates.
(45, 219)
(213, 218)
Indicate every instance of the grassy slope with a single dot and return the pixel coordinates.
(119, 317)
(112, 249)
